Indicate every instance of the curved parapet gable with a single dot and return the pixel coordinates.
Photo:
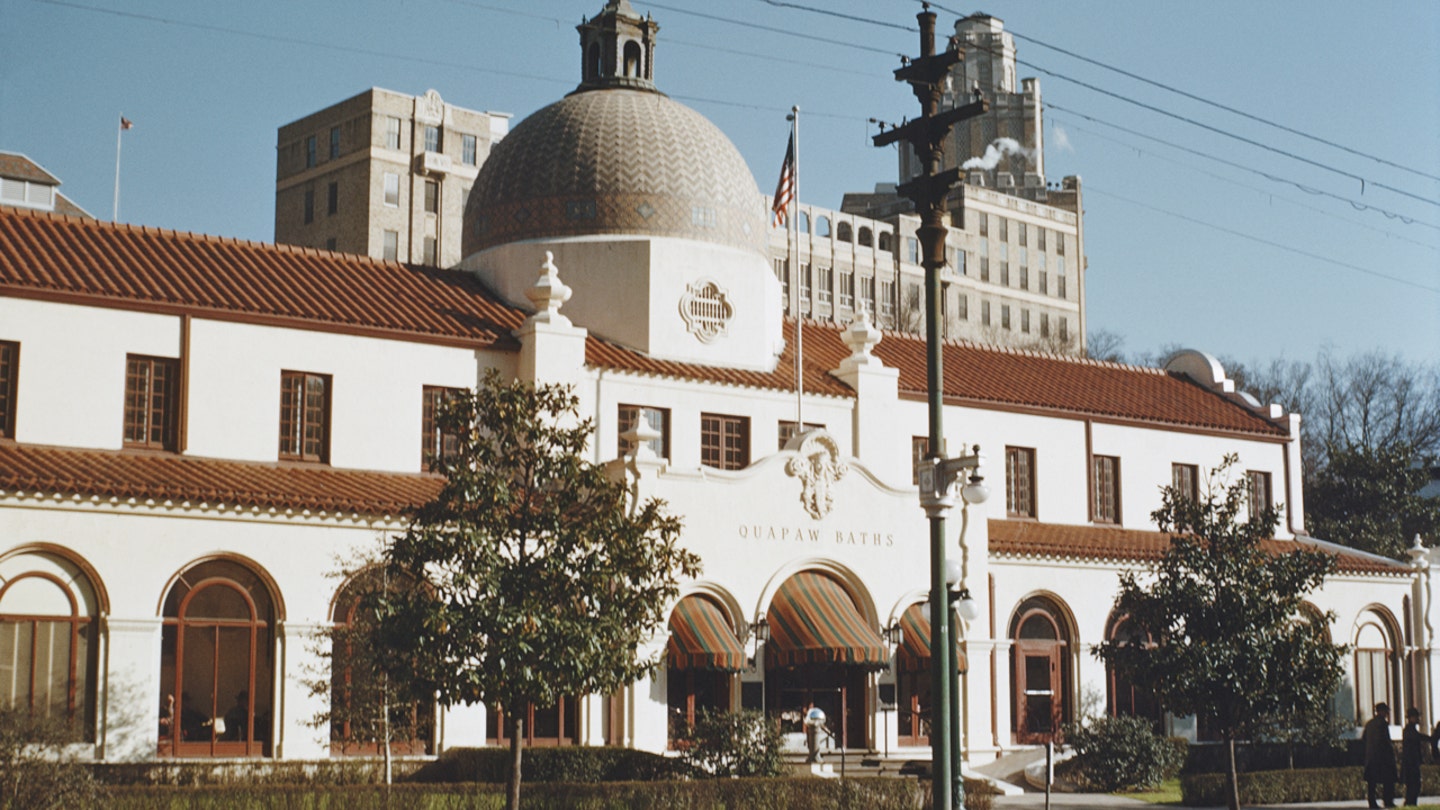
(1205, 369)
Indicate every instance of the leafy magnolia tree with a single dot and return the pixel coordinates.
(543, 577)
(1370, 498)
(1231, 644)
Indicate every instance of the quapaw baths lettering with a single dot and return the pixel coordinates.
(840, 537)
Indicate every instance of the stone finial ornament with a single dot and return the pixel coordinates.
(548, 294)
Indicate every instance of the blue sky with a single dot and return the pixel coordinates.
(1265, 256)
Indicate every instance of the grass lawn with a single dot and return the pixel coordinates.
(1167, 793)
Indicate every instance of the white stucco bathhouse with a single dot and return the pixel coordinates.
(196, 431)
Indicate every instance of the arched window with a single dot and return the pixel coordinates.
(1126, 697)
(842, 232)
(885, 241)
(358, 697)
(1376, 665)
(822, 226)
(632, 59)
(702, 657)
(592, 61)
(1040, 672)
(804, 222)
(216, 653)
(48, 643)
(867, 237)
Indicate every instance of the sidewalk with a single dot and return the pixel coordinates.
(1099, 801)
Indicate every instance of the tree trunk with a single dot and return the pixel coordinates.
(512, 781)
(1232, 778)
(385, 725)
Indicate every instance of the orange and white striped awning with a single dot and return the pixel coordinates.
(914, 654)
(702, 638)
(814, 621)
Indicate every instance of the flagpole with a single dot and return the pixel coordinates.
(794, 216)
(119, 130)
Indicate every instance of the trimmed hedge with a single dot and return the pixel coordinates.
(568, 764)
(1212, 757)
(714, 794)
(1290, 787)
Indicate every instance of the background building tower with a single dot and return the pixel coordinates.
(382, 174)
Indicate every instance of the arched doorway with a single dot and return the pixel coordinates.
(216, 662)
(1039, 671)
(359, 702)
(701, 659)
(912, 673)
(1125, 697)
(821, 650)
(48, 642)
(1376, 665)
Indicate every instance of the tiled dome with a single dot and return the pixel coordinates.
(615, 161)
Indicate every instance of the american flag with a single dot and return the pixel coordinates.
(126, 123)
(785, 189)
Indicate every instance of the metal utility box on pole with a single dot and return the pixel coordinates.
(926, 134)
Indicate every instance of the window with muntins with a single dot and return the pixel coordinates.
(787, 430)
(467, 150)
(724, 441)
(657, 418)
(432, 197)
(304, 416)
(392, 189)
(1105, 507)
(432, 139)
(1020, 481)
(1185, 480)
(9, 384)
(392, 133)
(1258, 488)
(391, 245)
(334, 142)
(152, 397)
(48, 644)
(310, 151)
(435, 442)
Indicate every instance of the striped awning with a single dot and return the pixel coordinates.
(914, 654)
(814, 621)
(702, 638)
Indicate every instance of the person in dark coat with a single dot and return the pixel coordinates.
(1412, 752)
(1379, 757)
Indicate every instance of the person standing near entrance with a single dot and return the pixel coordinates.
(814, 726)
(1379, 757)
(1412, 751)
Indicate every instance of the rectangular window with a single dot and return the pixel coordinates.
(1005, 273)
(724, 441)
(330, 243)
(1044, 283)
(827, 283)
(435, 442)
(392, 132)
(1372, 678)
(332, 198)
(805, 279)
(912, 249)
(392, 246)
(919, 448)
(1004, 229)
(467, 150)
(1025, 321)
(887, 298)
(1041, 234)
(1060, 245)
(963, 310)
(1040, 262)
(787, 431)
(1044, 324)
(1185, 480)
(309, 205)
(657, 418)
(867, 293)
(1064, 328)
(984, 268)
(432, 197)
(1004, 316)
(1024, 231)
(1105, 507)
(984, 220)
(1258, 488)
(432, 139)
(9, 384)
(152, 396)
(847, 288)
(984, 313)
(304, 416)
(1020, 482)
(782, 272)
(429, 257)
(1024, 277)
(334, 142)
(1060, 286)
(392, 189)
(310, 151)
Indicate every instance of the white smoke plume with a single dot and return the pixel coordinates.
(998, 148)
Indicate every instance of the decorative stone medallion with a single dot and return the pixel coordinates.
(706, 310)
(818, 466)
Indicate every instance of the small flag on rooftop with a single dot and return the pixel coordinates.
(785, 189)
(126, 123)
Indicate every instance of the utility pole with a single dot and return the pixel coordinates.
(926, 134)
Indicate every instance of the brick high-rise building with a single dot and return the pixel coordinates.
(382, 174)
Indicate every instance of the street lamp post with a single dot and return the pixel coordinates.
(761, 630)
(926, 134)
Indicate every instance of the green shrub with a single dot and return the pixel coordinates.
(36, 771)
(1291, 786)
(1121, 753)
(1250, 756)
(743, 743)
(569, 764)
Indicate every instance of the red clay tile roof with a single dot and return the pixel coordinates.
(233, 484)
(20, 167)
(46, 255)
(87, 261)
(1019, 538)
(68, 207)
